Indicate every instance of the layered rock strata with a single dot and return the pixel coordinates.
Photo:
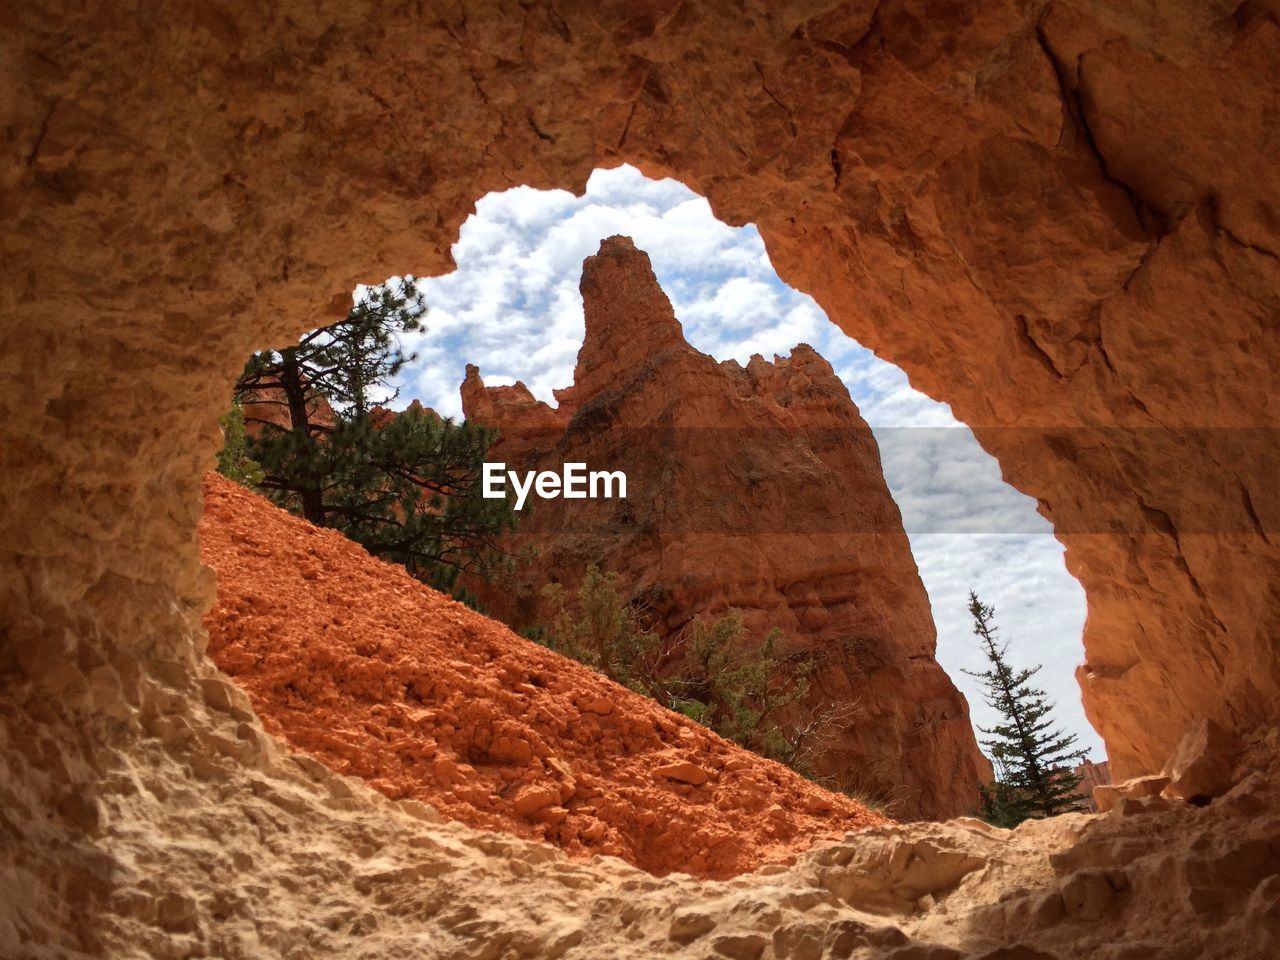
(757, 489)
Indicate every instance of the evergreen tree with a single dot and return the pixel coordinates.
(234, 461)
(406, 486)
(409, 490)
(343, 367)
(1033, 760)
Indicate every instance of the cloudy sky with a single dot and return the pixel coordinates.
(512, 307)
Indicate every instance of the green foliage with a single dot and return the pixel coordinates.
(1001, 805)
(350, 363)
(598, 628)
(406, 486)
(737, 683)
(234, 461)
(409, 491)
(1033, 760)
(469, 598)
(712, 674)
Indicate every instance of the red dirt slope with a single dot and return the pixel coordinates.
(359, 665)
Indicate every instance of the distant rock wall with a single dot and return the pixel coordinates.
(757, 489)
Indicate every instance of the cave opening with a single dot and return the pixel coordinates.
(513, 309)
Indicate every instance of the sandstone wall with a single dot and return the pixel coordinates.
(1050, 214)
(754, 488)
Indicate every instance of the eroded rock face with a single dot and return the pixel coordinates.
(1051, 214)
(757, 489)
(1055, 213)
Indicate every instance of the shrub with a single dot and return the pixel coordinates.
(710, 672)
(234, 461)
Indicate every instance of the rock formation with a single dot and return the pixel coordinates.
(757, 489)
(1053, 214)
(358, 665)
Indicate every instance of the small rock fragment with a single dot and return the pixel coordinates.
(748, 947)
(560, 767)
(1129, 807)
(420, 811)
(683, 771)
(552, 815)
(1201, 766)
(533, 798)
(1090, 894)
(1106, 796)
(689, 925)
(226, 697)
(801, 941)
(1017, 951)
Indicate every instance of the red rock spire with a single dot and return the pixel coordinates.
(628, 317)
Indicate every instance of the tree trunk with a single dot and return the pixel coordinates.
(300, 424)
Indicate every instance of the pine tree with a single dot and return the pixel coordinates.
(409, 490)
(344, 367)
(406, 486)
(1033, 760)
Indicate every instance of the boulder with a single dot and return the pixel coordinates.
(1202, 766)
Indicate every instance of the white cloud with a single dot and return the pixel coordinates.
(513, 308)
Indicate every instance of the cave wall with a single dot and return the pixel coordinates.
(1053, 215)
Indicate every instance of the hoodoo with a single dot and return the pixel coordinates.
(755, 488)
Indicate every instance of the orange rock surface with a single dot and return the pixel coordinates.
(755, 488)
(357, 664)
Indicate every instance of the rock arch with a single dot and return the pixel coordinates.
(1052, 215)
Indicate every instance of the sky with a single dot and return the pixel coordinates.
(512, 307)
